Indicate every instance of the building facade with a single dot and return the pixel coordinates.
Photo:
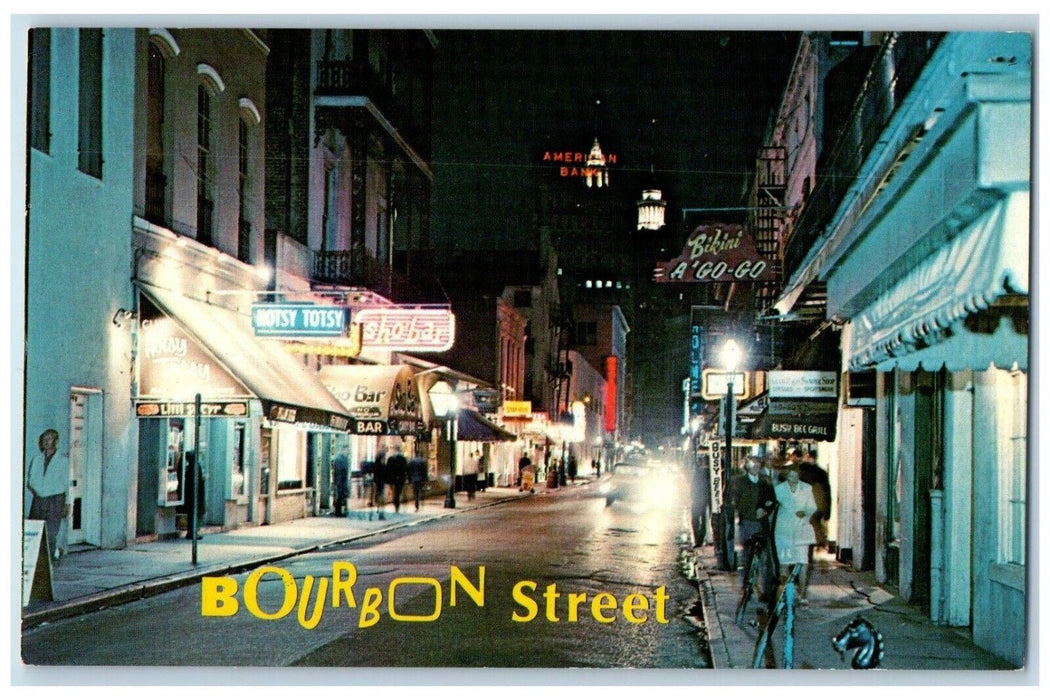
(925, 263)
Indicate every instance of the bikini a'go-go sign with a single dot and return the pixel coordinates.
(716, 253)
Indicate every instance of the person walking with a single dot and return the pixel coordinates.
(396, 471)
(573, 468)
(417, 474)
(753, 501)
(817, 478)
(483, 470)
(341, 476)
(525, 461)
(379, 483)
(195, 488)
(470, 475)
(47, 478)
(793, 533)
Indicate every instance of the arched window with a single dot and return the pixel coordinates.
(249, 118)
(156, 160)
(210, 85)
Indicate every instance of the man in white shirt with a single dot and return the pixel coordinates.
(47, 478)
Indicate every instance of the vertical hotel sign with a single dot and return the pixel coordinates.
(696, 361)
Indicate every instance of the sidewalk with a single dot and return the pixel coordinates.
(836, 594)
(91, 579)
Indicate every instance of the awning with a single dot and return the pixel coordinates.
(380, 399)
(188, 346)
(964, 307)
(474, 427)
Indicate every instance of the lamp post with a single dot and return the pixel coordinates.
(731, 357)
(446, 406)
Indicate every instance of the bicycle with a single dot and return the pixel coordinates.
(760, 571)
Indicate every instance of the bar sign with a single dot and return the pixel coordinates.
(298, 320)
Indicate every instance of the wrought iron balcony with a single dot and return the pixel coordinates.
(351, 269)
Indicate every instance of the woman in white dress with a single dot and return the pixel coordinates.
(793, 533)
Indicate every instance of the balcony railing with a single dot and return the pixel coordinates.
(881, 92)
(351, 269)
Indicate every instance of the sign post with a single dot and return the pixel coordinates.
(36, 563)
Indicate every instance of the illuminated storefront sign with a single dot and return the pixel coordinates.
(380, 399)
(716, 253)
(298, 320)
(716, 476)
(611, 381)
(172, 364)
(407, 329)
(173, 409)
(521, 410)
(591, 166)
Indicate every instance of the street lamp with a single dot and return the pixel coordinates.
(446, 406)
(732, 356)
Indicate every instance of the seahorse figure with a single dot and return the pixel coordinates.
(861, 635)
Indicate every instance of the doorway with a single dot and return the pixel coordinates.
(84, 522)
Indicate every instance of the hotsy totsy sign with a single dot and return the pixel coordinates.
(298, 320)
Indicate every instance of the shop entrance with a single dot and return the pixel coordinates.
(84, 523)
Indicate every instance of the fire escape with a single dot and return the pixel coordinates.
(769, 218)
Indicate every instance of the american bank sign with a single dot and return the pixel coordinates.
(407, 328)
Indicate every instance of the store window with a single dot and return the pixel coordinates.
(291, 447)
(172, 488)
(239, 476)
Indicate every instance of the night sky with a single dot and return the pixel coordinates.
(684, 112)
(501, 98)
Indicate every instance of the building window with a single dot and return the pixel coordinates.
(587, 333)
(90, 103)
(1013, 458)
(156, 180)
(40, 89)
(523, 298)
(244, 226)
(205, 197)
(329, 212)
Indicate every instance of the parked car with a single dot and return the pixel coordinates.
(629, 482)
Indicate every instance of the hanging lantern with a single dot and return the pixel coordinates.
(651, 210)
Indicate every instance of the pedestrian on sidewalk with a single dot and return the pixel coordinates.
(483, 470)
(793, 532)
(340, 477)
(470, 475)
(573, 468)
(194, 492)
(47, 478)
(753, 501)
(379, 483)
(817, 478)
(523, 463)
(396, 471)
(417, 474)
